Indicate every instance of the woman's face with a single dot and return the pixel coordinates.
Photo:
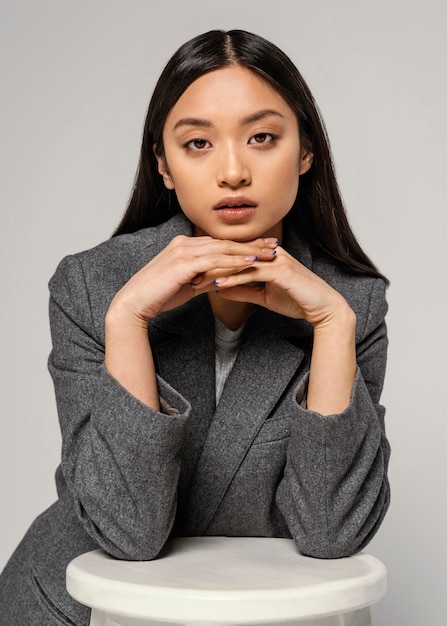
(232, 153)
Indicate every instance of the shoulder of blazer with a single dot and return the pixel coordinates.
(84, 283)
(125, 254)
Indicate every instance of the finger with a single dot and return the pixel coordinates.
(255, 276)
(227, 249)
(259, 272)
(211, 277)
(236, 266)
(253, 293)
(195, 282)
(260, 242)
(195, 260)
(199, 246)
(216, 268)
(270, 242)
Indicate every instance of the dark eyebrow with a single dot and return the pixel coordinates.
(260, 115)
(254, 117)
(192, 121)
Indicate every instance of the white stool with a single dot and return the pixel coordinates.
(217, 581)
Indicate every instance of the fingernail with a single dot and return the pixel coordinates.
(220, 281)
(250, 259)
(272, 240)
(268, 251)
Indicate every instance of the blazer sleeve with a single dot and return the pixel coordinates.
(335, 490)
(120, 459)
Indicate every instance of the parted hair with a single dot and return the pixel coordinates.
(318, 210)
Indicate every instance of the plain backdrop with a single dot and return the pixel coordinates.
(75, 82)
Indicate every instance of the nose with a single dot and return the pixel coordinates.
(233, 170)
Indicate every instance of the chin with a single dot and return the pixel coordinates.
(242, 234)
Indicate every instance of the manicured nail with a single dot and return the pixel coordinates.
(268, 251)
(272, 240)
(220, 281)
(250, 259)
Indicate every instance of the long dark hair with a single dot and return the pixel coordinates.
(318, 210)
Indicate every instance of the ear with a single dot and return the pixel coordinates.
(306, 160)
(163, 169)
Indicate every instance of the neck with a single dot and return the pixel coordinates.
(232, 314)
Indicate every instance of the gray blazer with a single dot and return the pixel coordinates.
(259, 464)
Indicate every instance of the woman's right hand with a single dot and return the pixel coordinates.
(163, 284)
(166, 281)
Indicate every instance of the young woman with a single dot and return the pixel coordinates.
(218, 363)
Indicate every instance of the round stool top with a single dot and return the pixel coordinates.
(226, 579)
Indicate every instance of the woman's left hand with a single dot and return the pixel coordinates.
(285, 286)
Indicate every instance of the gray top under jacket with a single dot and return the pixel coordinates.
(257, 465)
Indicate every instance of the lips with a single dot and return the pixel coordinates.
(235, 202)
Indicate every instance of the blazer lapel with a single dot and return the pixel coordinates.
(247, 400)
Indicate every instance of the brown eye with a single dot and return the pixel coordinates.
(197, 144)
(261, 138)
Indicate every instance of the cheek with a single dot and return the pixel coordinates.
(190, 197)
(286, 183)
(283, 172)
(184, 186)
(187, 177)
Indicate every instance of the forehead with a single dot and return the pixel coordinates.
(228, 94)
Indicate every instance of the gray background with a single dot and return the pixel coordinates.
(75, 82)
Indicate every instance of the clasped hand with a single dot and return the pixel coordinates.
(260, 272)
